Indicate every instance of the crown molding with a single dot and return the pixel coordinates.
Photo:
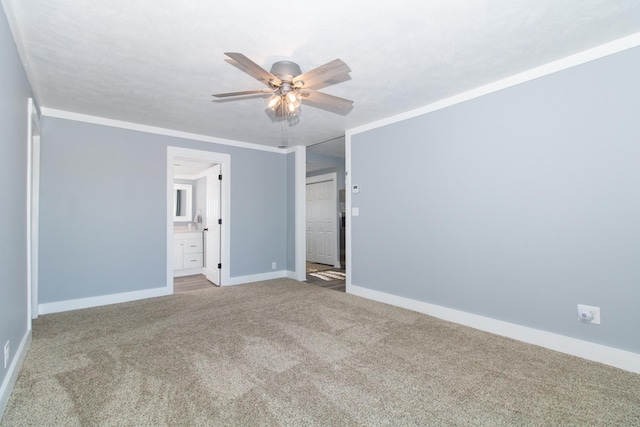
(580, 58)
(68, 115)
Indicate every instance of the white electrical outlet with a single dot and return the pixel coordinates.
(589, 314)
(6, 354)
(273, 265)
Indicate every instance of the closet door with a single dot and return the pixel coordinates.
(322, 222)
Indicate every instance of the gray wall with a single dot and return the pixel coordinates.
(334, 164)
(103, 209)
(13, 185)
(517, 205)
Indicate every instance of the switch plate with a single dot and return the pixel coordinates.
(355, 211)
(355, 188)
(589, 314)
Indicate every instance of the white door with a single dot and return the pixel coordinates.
(322, 223)
(212, 236)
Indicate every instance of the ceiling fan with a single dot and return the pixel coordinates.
(288, 86)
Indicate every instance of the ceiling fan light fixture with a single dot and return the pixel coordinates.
(293, 97)
(273, 101)
(291, 107)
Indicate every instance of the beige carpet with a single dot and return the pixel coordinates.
(287, 353)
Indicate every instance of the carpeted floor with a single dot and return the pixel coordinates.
(283, 352)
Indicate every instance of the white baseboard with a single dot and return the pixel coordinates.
(76, 304)
(14, 370)
(239, 280)
(295, 276)
(188, 272)
(587, 350)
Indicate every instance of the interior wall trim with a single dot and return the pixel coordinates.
(76, 304)
(300, 213)
(241, 280)
(68, 115)
(583, 57)
(14, 369)
(611, 356)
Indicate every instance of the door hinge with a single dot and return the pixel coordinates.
(220, 177)
(220, 221)
(219, 265)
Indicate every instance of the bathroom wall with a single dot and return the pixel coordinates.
(200, 201)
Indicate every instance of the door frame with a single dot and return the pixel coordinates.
(333, 177)
(224, 160)
(33, 209)
(213, 213)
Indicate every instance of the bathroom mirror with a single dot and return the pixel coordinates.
(182, 197)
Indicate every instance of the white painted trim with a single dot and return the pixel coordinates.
(301, 212)
(587, 350)
(240, 280)
(333, 177)
(68, 115)
(224, 160)
(347, 210)
(80, 303)
(293, 275)
(28, 211)
(13, 371)
(592, 54)
(202, 174)
(187, 272)
(32, 208)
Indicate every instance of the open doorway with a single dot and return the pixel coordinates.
(197, 217)
(325, 216)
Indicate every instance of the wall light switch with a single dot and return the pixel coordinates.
(355, 211)
(355, 188)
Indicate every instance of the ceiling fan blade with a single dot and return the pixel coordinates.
(253, 69)
(323, 73)
(246, 92)
(327, 102)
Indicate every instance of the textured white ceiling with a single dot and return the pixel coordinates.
(157, 62)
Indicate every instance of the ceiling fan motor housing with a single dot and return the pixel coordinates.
(285, 70)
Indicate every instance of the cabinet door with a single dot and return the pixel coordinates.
(193, 260)
(193, 246)
(178, 254)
